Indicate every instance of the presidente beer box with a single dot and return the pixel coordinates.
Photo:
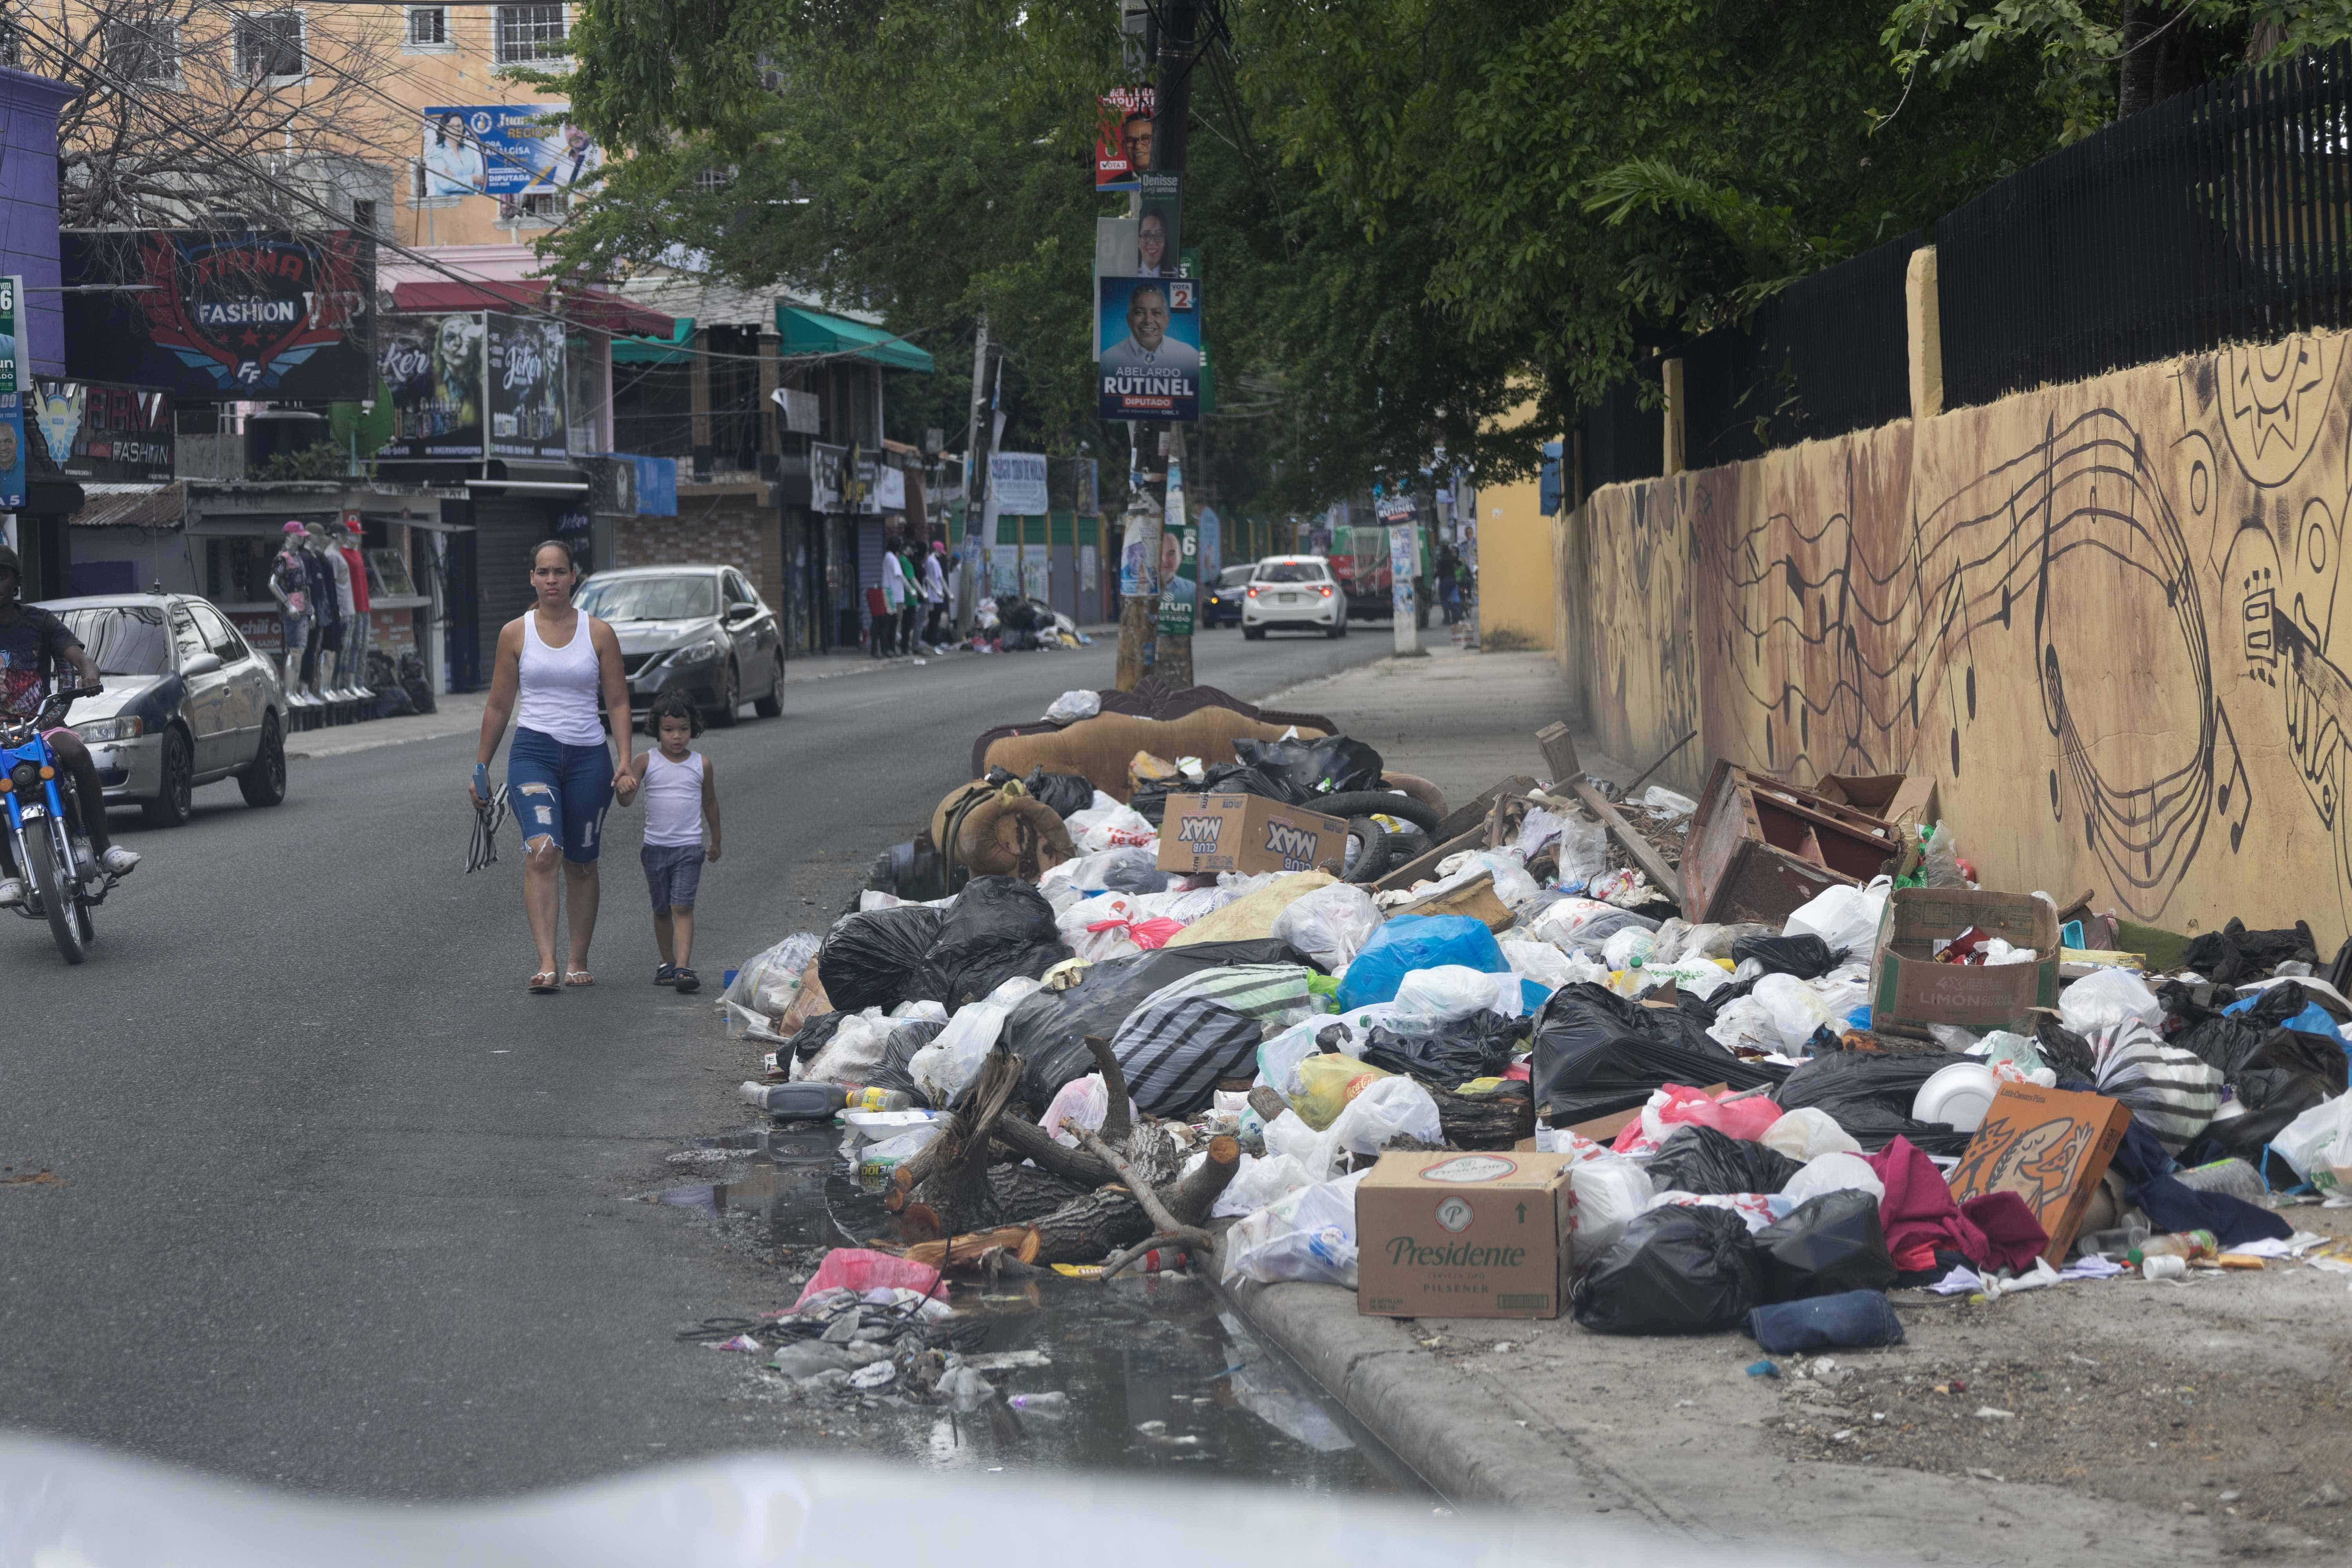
(1248, 833)
(1444, 1234)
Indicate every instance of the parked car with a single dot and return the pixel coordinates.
(702, 630)
(1222, 605)
(1294, 592)
(186, 702)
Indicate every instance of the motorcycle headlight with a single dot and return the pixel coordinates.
(105, 732)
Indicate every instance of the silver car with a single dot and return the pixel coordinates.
(700, 630)
(186, 702)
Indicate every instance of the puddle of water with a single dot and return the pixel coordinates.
(1160, 1375)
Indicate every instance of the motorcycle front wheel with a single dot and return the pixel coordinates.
(46, 846)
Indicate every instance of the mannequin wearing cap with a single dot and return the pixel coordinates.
(289, 584)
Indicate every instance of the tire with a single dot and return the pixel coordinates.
(177, 803)
(771, 706)
(1254, 634)
(730, 700)
(1352, 803)
(1338, 628)
(43, 841)
(263, 782)
(1374, 854)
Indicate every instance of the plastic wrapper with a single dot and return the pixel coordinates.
(1174, 1048)
(1627, 948)
(2318, 1144)
(1845, 918)
(769, 982)
(1805, 957)
(1596, 1052)
(1679, 1105)
(947, 1067)
(1385, 1108)
(1699, 1159)
(1000, 928)
(1328, 1083)
(876, 959)
(2104, 998)
(1585, 924)
(1449, 991)
(1095, 830)
(1302, 769)
(1512, 884)
(1307, 1235)
(1582, 851)
(1808, 1134)
(1666, 802)
(1674, 1271)
(1072, 706)
(1330, 925)
(1870, 1096)
(1086, 1101)
(854, 1269)
(1417, 941)
(1678, 939)
(852, 1053)
(1612, 1192)
(1834, 1174)
(1447, 1054)
(1827, 1244)
(1547, 965)
(2172, 1091)
(1694, 977)
(1095, 928)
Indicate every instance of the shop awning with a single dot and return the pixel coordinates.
(587, 308)
(112, 505)
(812, 332)
(677, 348)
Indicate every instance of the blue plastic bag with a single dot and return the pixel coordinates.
(1417, 941)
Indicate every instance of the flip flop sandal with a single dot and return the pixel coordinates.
(664, 973)
(543, 983)
(578, 977)
(687, 981)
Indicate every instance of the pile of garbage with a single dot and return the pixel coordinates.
(1904, 1080)
(1010, 623)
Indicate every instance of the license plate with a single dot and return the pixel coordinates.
(1286, 598)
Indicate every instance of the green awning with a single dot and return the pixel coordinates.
(809, 331)
(653, 351)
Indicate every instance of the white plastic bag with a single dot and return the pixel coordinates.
(767, 982)
(2106, 997)
(1309, 1235)
(1330, 925)
(1072, 706)
(1627, 948)
(1112, 911)
(1583, 850)
(1095, 831)
(1666, 802)
(947, 1067)
(1845, 918)
(1428, 998)
(1610, 1191)
(1257, 1183)
(1831, 1173)
(1745, 1023)
(1086, 1101)
(1540, 827)
(1796, 1007)
(1384, 1108)
(2318, 1144)
(1808, 1134)
(1546, 965)
(856, 1050)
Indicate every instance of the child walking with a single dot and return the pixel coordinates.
(681, 795)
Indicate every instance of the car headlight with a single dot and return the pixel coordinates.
(697, 651)
(106, 731)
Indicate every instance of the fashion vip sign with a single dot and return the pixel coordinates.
(98, 433)
(219, 317)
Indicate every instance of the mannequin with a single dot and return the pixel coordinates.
(289, 584)
(358, 626)
(331, 597)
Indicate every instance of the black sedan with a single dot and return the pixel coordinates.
(1222, 605)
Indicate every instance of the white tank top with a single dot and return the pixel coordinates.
(673, 800)
(558, 686)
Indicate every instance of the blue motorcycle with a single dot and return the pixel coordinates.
(63, 881)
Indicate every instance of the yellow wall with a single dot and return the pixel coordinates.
(2103, 616)
(1516, 585)
(463, 71)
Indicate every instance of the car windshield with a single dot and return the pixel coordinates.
(125, 639)
(677, 598)
(1291, 572)
(1234, 576)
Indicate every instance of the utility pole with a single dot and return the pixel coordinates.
(975, 475)
(1170, 120)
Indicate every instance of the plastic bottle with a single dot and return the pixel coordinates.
(872, 1099)
(2117, 1243)
(2184, 1244)
(807, 1101)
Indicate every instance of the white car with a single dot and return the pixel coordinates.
(1294, 592)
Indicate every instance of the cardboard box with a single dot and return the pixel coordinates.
(1454, 1235)
(2048, 1146)
(1909, 990)
(1248, 833)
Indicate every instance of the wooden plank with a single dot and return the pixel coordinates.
(1474, 814)
(1654, 865)
(1426, 866)
(1558, 748)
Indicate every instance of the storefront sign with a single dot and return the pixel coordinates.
(506, 149)
(433, 365)
(1016, 482)
(890, 489)
(1148, 330)
(826, 465)
(216, 317)
(526, 386)
(99, 432)
(14, 378)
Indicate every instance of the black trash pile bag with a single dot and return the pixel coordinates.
(1674, 1271)
(2234, 955)
(999, 927)
(875, 958)
(1450, 1054)
(1015, 612)
(1065, 793)
(1826, 1246)
(1234, 778)
(2276, 1073)
(1597, 1052)
(898, 1048)
(1305, 769)
(1707, 1162)
(1806, 957)
(812, 1036)
(1048, 1030)
(1870, 1096)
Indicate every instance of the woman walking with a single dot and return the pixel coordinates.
(561, 777)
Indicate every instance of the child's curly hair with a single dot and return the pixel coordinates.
(672, 705)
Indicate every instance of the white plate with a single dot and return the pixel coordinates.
(1958, 1096)
(879, 1122)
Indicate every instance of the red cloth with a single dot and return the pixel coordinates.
(358, 563)
(1995, 1231)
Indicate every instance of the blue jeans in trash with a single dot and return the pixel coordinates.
(558, 792)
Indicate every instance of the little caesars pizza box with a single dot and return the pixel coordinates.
(1248, 833)
(1449, 1235)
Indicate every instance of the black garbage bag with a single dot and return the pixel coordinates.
(1332, 765)
(812, 1036)
(1597, 1052)
(1828, 1245)
(1870, 1095)
(1448, 1054)
(1065, 793)
(1806, 957)
(1707, 1161)
(2276, 1073)
(1674, 1271)
(898, 1048)
(999, 927)
(1240, 778)
(875, 958)
(1138, 877)
(1048, 1030)
(2234, 955)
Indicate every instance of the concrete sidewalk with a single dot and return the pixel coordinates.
(2147, 1422)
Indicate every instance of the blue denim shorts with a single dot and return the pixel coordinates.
(673, 873)
(560, 792)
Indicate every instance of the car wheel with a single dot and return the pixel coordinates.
(177, 801)
(1337, 628)
(771, 706)
(263, 782)
(1254, 634)
(730, 698)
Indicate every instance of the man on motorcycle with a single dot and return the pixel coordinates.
(33, 642)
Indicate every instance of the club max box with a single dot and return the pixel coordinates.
(1248, 833)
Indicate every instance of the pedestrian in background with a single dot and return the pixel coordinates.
(910, 608)
(935, 594)
(681, 791)
(894, 598)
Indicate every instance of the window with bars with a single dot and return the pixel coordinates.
(143, 51)
(12, 44)
(715, 178)
(428, 26)
(269, 45)
(529, 33)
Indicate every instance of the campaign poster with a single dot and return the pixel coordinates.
(1123, 136)
(14, 364)
(1139, 554)
(1212, 544)
(1147, 332)
(1159, 228)
(433, 367)
(1180, 560)
(526, 385)
(506, 149)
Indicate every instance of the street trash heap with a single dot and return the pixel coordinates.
(1668, 1065)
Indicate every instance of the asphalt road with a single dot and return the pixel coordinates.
(342, 1208)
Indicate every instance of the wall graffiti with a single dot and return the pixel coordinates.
(2102, 615)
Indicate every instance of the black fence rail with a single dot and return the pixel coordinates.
(2220, 215)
